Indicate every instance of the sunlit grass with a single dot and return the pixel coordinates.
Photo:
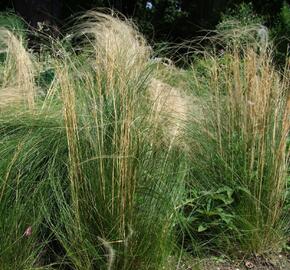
(104, 165)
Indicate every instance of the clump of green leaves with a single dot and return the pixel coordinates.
(13, 23)
(242, 14)
(209, 216)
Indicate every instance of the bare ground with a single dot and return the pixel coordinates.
(279, 261)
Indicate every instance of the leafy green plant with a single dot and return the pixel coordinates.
(208, 217)
(211, 209)
(13, 23)
(243, 14)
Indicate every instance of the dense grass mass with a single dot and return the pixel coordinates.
(104, 165)
(241, 153)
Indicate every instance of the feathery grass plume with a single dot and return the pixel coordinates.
(243, 27)
(232, 33)
(12, 22)
(117, 44)
(242, 146)
(119, 48)
(17, 83)
(171, 110)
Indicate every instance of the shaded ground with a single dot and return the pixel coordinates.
(272, 262)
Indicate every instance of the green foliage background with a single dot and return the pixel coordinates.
(175, 21)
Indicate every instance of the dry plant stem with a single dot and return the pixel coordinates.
(256, 109)
(70, 120)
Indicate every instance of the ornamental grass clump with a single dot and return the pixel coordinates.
(241, 147)
(84, 181)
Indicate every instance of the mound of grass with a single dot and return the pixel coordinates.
(84, 169)
(240, 156)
